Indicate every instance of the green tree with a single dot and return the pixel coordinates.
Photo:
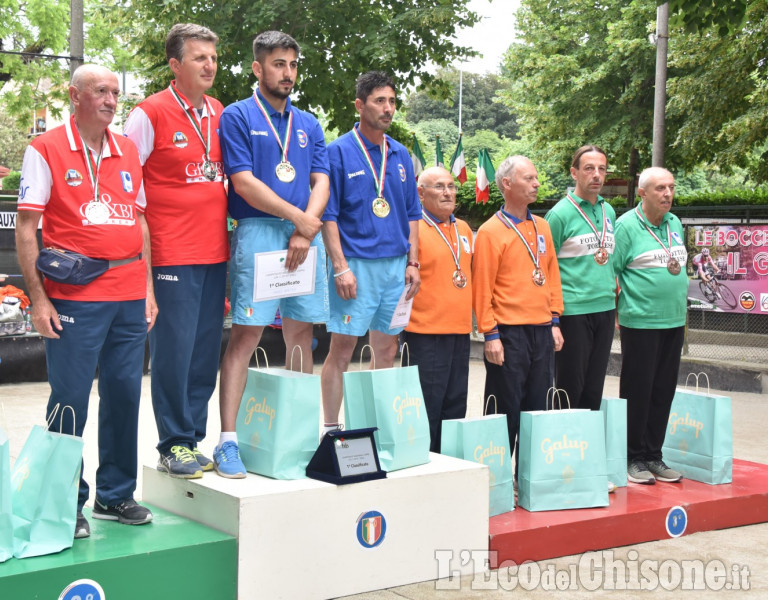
(719, 95)
(583, 72)
(14, 142)
(480, 109)
(339, 40)
(39, 29)
(725, 16)
(426, 132)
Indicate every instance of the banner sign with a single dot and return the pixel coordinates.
(736, 258)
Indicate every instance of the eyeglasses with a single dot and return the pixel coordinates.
(441, 187)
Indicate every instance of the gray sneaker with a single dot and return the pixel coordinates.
(637, 472)
(82, 528)
(662, 472)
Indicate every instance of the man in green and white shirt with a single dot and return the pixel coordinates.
(649, 261)
(582, 226)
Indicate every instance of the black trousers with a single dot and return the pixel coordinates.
(443, 361)
(581, 364)
(521, 383)
(650, 361)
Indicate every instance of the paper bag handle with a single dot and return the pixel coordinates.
(495, 404)
(373, 356)
(403, 348)
(264, 352)
(52, 417)
(697, 375)
(301, 358)
(556, 394)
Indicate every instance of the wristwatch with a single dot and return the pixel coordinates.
(414, 263)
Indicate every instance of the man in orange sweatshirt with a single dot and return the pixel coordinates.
(517, 297)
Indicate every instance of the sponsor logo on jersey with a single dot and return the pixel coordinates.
(401, 170)
(608, 224)
(180, 140)
(302, 137)
(167, 277)
(355, 174)
(73, 177)
(125, 176)
(254, 132)
(676, 237)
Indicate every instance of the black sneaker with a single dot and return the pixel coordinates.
(128, 512)
(82, 529)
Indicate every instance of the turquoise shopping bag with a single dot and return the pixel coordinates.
(45, 481)
(391, 400)
(699, 438)
(562, 460)
(278, 422)
(6, 512)
(614, 411)
(484, 440)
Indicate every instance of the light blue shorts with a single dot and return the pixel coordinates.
(255, 235)
(380, 283)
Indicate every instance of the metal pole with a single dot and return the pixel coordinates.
(76, 44)
(461, 89)
(660, 96)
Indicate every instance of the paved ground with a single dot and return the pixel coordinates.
(23, 405)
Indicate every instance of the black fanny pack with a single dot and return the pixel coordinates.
(65, 266)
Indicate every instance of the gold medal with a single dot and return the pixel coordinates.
(673, 266)
(538, 277)
(380, 207)
(459, 279)
(601, 256)
(285, 171)
(96, 213)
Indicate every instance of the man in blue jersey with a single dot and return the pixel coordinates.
(371, 233)
(277, 164)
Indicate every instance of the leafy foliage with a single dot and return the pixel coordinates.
(723, 16)
(14, 142)
(339, 40)
(480, 110)
(583, 72)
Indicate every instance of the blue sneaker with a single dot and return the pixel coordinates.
(226, 461)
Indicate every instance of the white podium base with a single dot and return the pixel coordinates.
(302, 539)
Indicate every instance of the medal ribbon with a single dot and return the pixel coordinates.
(641, 217)
(93, 172)
(383, 168)
(207, 139)
(600, 237)
(285, 142)
(534, 257)
(456, 255)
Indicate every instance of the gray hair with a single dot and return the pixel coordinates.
(267, 41)
(508, 166)
(650, 173)
(180, 33)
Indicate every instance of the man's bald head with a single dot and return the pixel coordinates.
(427, 176)
(85, 74)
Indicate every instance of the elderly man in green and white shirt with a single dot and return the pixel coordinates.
(649, 261)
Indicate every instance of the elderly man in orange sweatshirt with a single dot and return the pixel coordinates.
(517, 297)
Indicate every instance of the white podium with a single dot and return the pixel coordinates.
(312, 540)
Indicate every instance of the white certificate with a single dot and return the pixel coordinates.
(402, 310)
(272, 280)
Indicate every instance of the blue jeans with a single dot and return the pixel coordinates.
(110, 336)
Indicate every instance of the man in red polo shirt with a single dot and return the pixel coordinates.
(176, 132)
(85, 180)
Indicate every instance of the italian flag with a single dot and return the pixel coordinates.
(458, 166)
(417, 157)
(485, 174)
